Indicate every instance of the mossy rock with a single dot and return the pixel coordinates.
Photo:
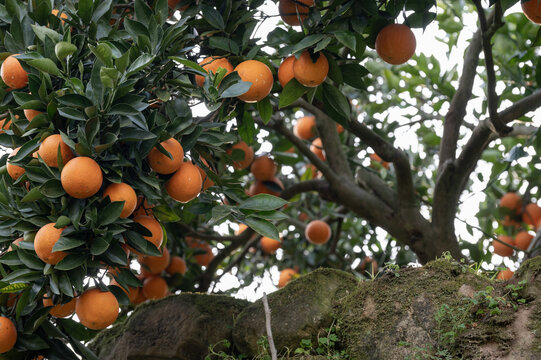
(179, 327)
(298, 311)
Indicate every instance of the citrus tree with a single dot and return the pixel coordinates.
(111, 165)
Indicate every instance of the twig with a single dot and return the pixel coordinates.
(272, 348)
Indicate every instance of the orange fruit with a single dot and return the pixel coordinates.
(213, 64)
(60, 310)
(5, 124)
(185, 184)
(97, 309)
(303, 217)
(8, 334)
(395, 44)
(16, 243)
(154, 227)
(310, 72)
(286, 276)
(317, 232)
(268, 245)
(259, 187)
(532, 10)
(531, 214)
(155, 287)
(377, 159)
(62, 15)
(207, 181)
(205, 258)
(30, 114)
(161, 163)
(290, 8)
(176, 266)
(13, 74)
(314, 172)
(140, 298)
(15, 171)
(305, 128)
(241, 229)
(44, 242)
(285, 71)
(259, 75)
(317, 148)
(248, 155)
(373, 263)
(81, 177)
(505, 274)
(155, 264)
(523, 240)
(512, 202)
(339, 128)
(263, 168)
(143, 207)
(173, 4)
(502, 249)
(131, 292)
(48, 150)
(122, 192)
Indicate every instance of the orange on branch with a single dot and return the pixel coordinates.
(97, 309)
(81, 177)
(185, 184)
(503, 249)
(317, 148)
(263, 168)
(523, 240)
(291, 10)
(505, 274)
(531, 214)
(30, 114)
(207, 181)
(532, 10)
(395, 44)
(122, 192)
(511, 201)
(213, 64)
(375, 158)
(15, 171)
(286, 275)
(305, 128)
(60, 310)
(155, 264)
(176, 266)
(259, 187)
(131, 292)
(48, 150)
(205, 258)
(44, 241)
(154, 227)
(269, 246)
(163, 164)
(317, 232)
(285, 71)
(310, 71)
(8, 334)
(13, 74)
(155, 287)
(244, 162)
(259, 75)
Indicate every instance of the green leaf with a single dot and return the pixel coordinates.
(75, 100)
(140, 63)
(110, 213)
(71, 262)
(33, 195)
(347, 39)
(26, 150)
(263, 227)
(353, 75)
(64, 49)
(336, 101)
(66, 243)
(62, 222)
(262, 202)
(265, 109)
(104, 53)
(165, 214)
(225, 44)
(84, 10)
(292, 91)
(52, 188)
(213, 17)
(45, 65)
(306, 42)
(236, 89)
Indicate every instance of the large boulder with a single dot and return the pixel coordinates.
(299, 311)
(180, 327)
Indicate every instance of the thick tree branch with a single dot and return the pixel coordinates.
(318, 185)
(370, 181)
(521, 107)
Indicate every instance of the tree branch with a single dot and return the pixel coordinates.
(318, 185)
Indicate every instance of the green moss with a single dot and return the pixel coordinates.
(535, 327)
(532, 265)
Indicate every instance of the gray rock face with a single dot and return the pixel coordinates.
(178, 327)
(299, 311)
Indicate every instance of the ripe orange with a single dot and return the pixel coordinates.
(305, 128)
(97, 309)
(155, 287)
(395, 44)
(48, 150)
(60, 310)
(44, 242)
(339, 128)
(207, 181)
(185, 184)
(303, 217)
(13, 74)
(8, 334)
(286, 276)
(375, 158)
(523, 240)
(502, 249)
(505, 275)
(263, 168)
(122, 192)
(532, 10)
(259, 75)
(140, 298)
(373, 265)
(15, 171)
(131, 292)
(289, 8)
(5, 124)
(143, 207)
(205, 258)
(155, 264)
(317, 148)
(512, 202)
(309, 72)
(248, 155)
(30, 114)
(531, 214)
(176, 266)
(213, 64)
(154, 227)
(259, 187)
(317, 232)
(269, 246)
(81, 177)
(161, 163)
(16, 243)
(62, 15)
(285, 71)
